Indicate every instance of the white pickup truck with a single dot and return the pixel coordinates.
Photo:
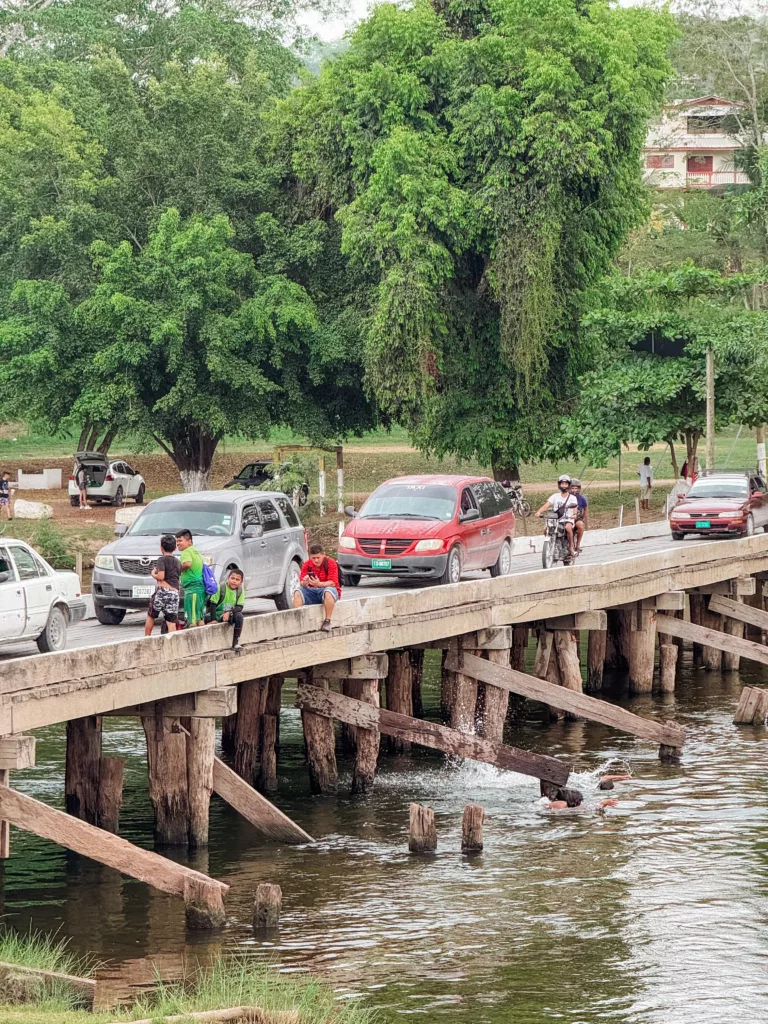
(36, 602)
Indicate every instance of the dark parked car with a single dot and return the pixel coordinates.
(255, 474)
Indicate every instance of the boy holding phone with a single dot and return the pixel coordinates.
(319, 581)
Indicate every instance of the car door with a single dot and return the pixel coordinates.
(491, 522)
(276, 538)
(245, 477)
(37, 586)
(472, 538)
(255, 552)
(762, 497)
(132, 481)
(122, 479)
(13, 612)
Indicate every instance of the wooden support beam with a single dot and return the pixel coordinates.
(201, 747)
(367, 743)
(331, 705)
(367, 666)
(166, 875)
(168, 785)
(17, 752)
(30, 982)
(580, 620)
(472, 829)
(736, 610)
(674, 601)
(642, 650)
(495, 638)
(253, 698)
(580, 704)
(203, 704)
(82, 768)
(399, 694)
(263, 815)
(5, 825)
(712, 638)
(752, 707)
(742, 586)
(596, 645)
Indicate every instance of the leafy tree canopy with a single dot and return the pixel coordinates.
(482, 161)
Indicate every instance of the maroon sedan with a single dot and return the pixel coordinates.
(721, 503)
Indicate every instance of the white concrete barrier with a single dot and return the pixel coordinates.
(45, 480)
(598, 538)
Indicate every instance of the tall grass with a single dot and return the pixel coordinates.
(46, 952)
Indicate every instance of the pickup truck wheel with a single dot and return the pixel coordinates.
(140, 495)
(109, 616)
(284, 600)
(54, 636)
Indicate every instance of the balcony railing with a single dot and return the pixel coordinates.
(706, 179)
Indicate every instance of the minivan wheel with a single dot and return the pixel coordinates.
(117, 501)
(140, 495)
(452, 571)
(284, 600)
(351, 579)
(109, 616)
(503, 564)
(54, 636)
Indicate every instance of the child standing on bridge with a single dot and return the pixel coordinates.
(166, 598)
(191, 578)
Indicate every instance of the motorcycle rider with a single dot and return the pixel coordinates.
(566, 506)
(582, 512)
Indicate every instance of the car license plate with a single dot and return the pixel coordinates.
(143, 591)
(381, 563)
(703, 524)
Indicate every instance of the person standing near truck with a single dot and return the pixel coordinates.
(191, 578)
(165, 599)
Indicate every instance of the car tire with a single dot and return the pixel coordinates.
(350, 579)
(750, 530)
(118, 499)
(109, 616)
(54, 636)
(676, 535)
(303, 496)
(140, 495)
(547, 554)
(503, 564)
(284, 600)
(74, 502)
(453, 566)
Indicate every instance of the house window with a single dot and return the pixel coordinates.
(657, 160)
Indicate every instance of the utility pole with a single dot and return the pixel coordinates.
(760, 438)
(710, 408)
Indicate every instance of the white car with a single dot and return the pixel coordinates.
(110, 480)
(36, 602)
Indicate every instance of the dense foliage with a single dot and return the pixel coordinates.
(482, 161)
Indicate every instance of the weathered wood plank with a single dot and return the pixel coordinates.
(712, 638)
(254, 807)
(429, 734)
(672, 602)
(34, 816)
(581, 704)
(496, 638)
(736, 610)
(17, 752)
(742, 586)
(202, 704)
(368, 666)
(579, 620)
(48, 981)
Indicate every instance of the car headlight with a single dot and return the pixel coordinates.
(104, 562)
(347, 542)
(430, 545)
(679, 515)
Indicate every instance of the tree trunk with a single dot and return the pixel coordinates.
(505, 470)
(193, 452)
(106, 441)
(83, 439)
(673, 456)
(93, 438)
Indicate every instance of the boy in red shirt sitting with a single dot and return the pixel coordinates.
(319, 583)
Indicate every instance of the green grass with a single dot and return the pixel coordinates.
(45, 952)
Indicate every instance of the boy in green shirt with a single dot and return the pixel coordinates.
(227, 604)
(191, 578)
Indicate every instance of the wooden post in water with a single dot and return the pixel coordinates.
(596, 646)
(348, 736)
(642, 650)
(250, 708)
(320, 740)
(667, 667)
(752, 707)
(733, 627)
(168, 786)
(368, 740)
(111, 772)
(617, 641)
(492, 702)
(712, 656)
(422, 834)
(696, 606)
(267, 907)
(83, 767)
(201, 744)
(447, 686)
(519, 647)
(472, 829)
(464, 703)
(399, 690)
(417, 673)
(568, 660)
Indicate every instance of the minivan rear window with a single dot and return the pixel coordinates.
(203, 518)
(410, 501)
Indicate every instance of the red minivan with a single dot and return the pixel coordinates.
(430, 528)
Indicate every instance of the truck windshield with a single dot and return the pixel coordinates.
(410, 501)
(713, 488)
(203, 518)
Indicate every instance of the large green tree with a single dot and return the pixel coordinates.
(482, 161)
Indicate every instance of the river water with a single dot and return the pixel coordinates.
(655, 911)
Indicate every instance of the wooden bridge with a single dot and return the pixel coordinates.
(178, 685)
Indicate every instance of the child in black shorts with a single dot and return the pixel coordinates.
(166, 597)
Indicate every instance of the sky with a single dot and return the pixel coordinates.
(331, 29)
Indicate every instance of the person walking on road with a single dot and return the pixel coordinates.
(191, 578)
(165, 599)
(646, 483)
(6, 495)
(227, 604)
(319, 583)
(582, 513)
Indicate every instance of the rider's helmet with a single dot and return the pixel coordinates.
(506, 483)
(564, 479)
(575, 482)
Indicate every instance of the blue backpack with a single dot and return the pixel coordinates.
(210, 583)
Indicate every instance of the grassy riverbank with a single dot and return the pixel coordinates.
(229, 981)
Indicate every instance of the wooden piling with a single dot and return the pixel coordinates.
(734, 627)
(228, 732)
(696, 607)
(83, 764)
(596, 648)
(111, 772)
(267, 780)
(201, 743)
(752, 707)
(168, 786)
(203, 906)
(464, 703)
(519, 647)
(472, 829)
(568, 660)
(492, 708)
(667, 667)
(642, 648)
(251, 700)
(320, 740)
(399, 692)
(447, 680)
(422, 832)
(712, 656)
(417, 673)
(368, 740)
(618, 639)
(267, 907)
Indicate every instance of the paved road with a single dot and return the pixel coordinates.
(91, 633)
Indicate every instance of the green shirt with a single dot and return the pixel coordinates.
(226, 599)
(194, 574)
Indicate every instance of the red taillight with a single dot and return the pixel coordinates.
(109, 477)
(71, 478)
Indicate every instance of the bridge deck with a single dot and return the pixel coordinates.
(44, 689)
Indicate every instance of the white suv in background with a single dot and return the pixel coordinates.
(36, 602)
(109, 480)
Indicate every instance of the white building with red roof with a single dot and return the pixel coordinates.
(695, 145)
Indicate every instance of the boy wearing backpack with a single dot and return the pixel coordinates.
(191, 578)
(227, 604)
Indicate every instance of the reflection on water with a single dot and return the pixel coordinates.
(653, 912)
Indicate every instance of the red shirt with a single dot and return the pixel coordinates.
(327, 573)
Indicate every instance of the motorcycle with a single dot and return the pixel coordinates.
(555, 547)
(515, 491)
